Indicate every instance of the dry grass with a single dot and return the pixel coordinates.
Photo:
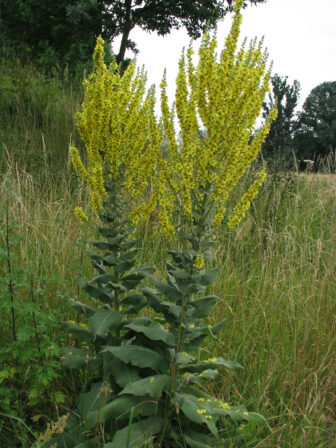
(277, 284)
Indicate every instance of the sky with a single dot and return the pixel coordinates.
(300, 36)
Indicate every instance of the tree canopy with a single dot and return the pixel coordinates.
(65, 31)
(316, 131)
(284, 96)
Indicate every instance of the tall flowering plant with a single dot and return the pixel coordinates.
(148, 383)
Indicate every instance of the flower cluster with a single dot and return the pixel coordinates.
(120, 133)
(217, 104)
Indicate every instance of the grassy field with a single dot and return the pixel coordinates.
(277, 284)
(277, 287)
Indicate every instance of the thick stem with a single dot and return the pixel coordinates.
(10, 283)
(172, 374)
(179, 337)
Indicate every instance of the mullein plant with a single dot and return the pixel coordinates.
(147, 384)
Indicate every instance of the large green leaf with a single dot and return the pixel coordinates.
(203, 307)
(124, 266)
(138, 436)
(130, 244)
(103, 320)
(97, 293)
(170, 310)
(104, 245)
(209, 277)
(152, 331)
(152, 386)
(216, 329)
(120, 408)
(124, 373)
(87, 310)
(219, 361)
(92, 400)
(171, 292)
(138, 356)
(101, 279)
(197, 411)
(201, 440)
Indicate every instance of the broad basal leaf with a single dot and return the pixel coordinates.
(203, 307)
(169, 291)
(103, 320)
(120, 408)
(139, 435)
(139, 356)
(197, 410)
(124, 373)
(209, 277)
(152, 331)
(87, 310)
(152, 386)
(97, 293)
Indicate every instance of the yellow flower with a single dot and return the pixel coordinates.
(223, 97)
(199, 262)
(120, 133)
(80, 214)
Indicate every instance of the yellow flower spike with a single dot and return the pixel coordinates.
(81, 215)
(240, 209)
(77, 162)
(199, 262)
(121, 136)
(223, 99)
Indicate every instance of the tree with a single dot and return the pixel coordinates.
(165, 15)
(279, 142)
(67, 29)
(316, 131)
(50, 33)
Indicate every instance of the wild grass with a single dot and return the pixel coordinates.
(276, 282)
(277, 277)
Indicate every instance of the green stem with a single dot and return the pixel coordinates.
(173, 375)
(179, 337)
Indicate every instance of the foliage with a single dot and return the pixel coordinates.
(119, 130)
(145, 374)
(163, 16)
(64, 34)
(50, 34)
(279, 142)
(277, 294)
(29, 350)
(206, 166)
(316, 134)
(36, 119)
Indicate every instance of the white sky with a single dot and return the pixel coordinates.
(300, 36)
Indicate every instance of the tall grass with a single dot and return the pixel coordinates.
(277, 272)
(36, 120)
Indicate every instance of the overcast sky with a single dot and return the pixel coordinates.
(300, 36)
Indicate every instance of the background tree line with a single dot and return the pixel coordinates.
(303, 138)
(62, 34)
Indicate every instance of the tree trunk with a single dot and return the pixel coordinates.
(126, 30)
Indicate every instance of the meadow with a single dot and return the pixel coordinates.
(276, 282)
